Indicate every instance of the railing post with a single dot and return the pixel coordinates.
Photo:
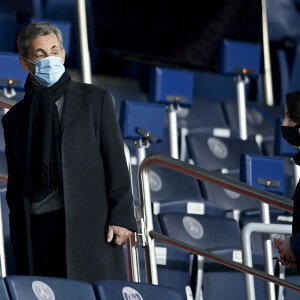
(148, 242)
(246, 249)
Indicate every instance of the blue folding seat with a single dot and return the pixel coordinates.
(32, 287)
(172, 191)
(217, 234)
(203, 115)
(257, 121)
(173, 267)
(11, 73)
(120, 94)
(206, 83)
(221, 155)
(3, 291)
(109, 289)
(204, 231)
(170, 86)
(138, 128)
(222, 282)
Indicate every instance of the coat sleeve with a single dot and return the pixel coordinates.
(117, 177)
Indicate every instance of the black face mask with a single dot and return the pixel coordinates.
(291, 134)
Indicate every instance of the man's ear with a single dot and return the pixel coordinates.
(23, 63)
(63, 55)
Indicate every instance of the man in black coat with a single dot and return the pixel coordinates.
(68, 190)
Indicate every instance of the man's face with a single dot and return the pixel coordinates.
(41, 47)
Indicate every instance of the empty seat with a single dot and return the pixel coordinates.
(32, 287)
(107, 290)
(221, 155)
(257, 123)
(11, 73)
(173, 267)
(206, 84)
(172, 191)
(222, 282)
(206, 232)
(202, 115)
(120, 95)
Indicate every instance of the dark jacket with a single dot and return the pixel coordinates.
(96, 182)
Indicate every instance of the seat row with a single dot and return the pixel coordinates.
(35, 287)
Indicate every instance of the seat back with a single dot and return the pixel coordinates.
(11, 73)
(173, 266)
(109, 289)
(221, 155)
(202, 231)
(219, 280)
(170, 86)
(32, 287)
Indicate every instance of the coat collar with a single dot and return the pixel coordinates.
(72, 102)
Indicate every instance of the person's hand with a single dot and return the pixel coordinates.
(118, 234)
(287, 258)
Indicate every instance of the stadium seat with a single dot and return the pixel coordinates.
(221, 155)
(11, 73)
(203, 231)
(107, 290)
(3, 290)
(257, 122)
(206, 83)
(32, 287)
(172, 191)
(202, 115)
(219, 280)
(173, 267)
(171, 86)
(119, 95)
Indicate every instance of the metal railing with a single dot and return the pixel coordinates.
(6, 102)
(145, 218)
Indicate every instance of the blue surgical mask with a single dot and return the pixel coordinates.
(48, 70)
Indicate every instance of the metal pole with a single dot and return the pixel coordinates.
(267, 247)
(172, 113)
(83, 43)
(268, 86)
(246, 247)
(145, 199)
(241, 101)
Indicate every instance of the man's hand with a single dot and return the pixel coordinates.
(118, 234)
(287, 258)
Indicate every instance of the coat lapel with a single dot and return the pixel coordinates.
(72, 102)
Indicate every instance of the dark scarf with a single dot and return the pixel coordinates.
(42, 166)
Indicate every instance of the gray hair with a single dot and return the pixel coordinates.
(35, 30)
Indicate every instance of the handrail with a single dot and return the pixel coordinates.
(6, 102)
(3, 177)
(146, 211)
(224, 261)
(215, 178)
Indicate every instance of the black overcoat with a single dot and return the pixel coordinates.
(97, 190)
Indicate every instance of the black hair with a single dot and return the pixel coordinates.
(293, 106)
